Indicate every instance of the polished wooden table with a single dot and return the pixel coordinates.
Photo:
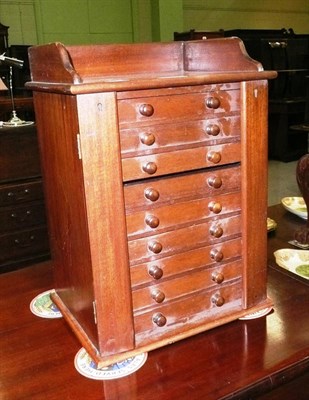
(240, 360)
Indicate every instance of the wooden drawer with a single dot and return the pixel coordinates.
(23, 244)
(169, 190)
(152, 222)
(158, 138)
(179, 161)
(184, 239)
(21, 217)
(158, 294)
(190, 106)
(20, 193)
(191, 311)
(164, 268)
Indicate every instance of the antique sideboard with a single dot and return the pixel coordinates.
(154, 161)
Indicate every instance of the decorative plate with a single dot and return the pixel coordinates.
(42, 306)
(296, 261)
(87, 367)
(295, 205)
(257, 314)
(271, 225)
(22, 123)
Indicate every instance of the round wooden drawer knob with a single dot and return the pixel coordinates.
(155, 271)
(214, 157)
(148, 139)
(213, 102)
(150, 168)
(216, 255)
(146, 109)
(218, 300)
(217, 277)
(216, 231)
(213, 130)
(151, 194)
(158, 296)
(215, 182)
(155, 247)
(215, 207)
(152, 221)
(159, 319)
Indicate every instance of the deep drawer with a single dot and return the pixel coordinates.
(159, 294)
(21, 217)
(23, 244)
(181, 214)
(158, 138)
(191, 311)
(179, 161)
(20, 193)
(170, 190)
(184, 239)
(189, 106)
(164, 268)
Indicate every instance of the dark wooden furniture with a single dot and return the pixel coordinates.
(266, 358)
(154, 159)
(23, 232)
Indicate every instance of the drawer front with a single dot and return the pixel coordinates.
(167, 320)
(21, 217)
(179, 161)
(184, 239)
(26, 192)
(170, 190)
(215, 255)
(180, 214)
(189, 106)
(23, 244)
(158, 138)
(161, 293)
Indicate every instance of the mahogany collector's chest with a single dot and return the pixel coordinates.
(155, 168)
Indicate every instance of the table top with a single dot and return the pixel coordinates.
(234, 361)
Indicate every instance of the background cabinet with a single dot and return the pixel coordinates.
(23, 231)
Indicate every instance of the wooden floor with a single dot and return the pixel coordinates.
(241, 360)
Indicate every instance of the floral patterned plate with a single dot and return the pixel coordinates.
(296, 261)
(295, 205)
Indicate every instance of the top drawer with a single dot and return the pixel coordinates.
(193, 106)
(21, 193)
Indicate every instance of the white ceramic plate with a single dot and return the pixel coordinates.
(86, 367)
(296, 261)
(295, 205)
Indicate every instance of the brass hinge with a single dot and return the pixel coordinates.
(79, 148)
(94, 311)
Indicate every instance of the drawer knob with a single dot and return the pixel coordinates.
(218, 300)
(155, 271)
(213, 129)
(159, 319)
(146, 109)
(216, 255)
(215, 207)
(216, 231)
(150, 168)
(26, 242)
(148, 139)
(151, 194)
(214, 157)
(213, 102)
(217, 277)
(158, 296)
(152, 221)
(215, 182)
(155, 247)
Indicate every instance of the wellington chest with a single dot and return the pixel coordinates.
(155, 170)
